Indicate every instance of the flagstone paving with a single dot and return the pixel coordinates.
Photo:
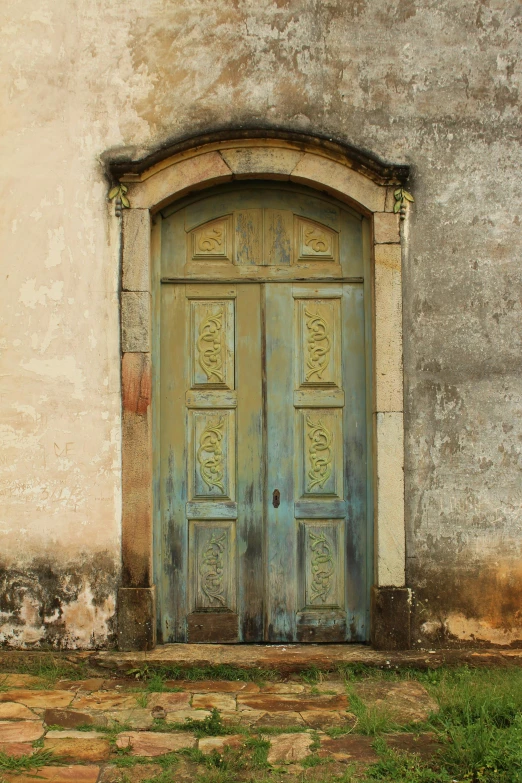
(94, 725)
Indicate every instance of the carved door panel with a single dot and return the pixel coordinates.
(316, 442)
(212, 463)
(262, 427)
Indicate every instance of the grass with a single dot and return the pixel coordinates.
(156, 683)
(312, 675)
(195, 673)
(371, 720)
(142, 699)
(313, 760)
(50, 668)
(479, 728)
(211, 726)
(28, 762)
(400, 766)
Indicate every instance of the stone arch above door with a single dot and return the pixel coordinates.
(364, 184)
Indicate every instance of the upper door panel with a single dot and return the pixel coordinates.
(261, 232)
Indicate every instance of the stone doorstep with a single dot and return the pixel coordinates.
(290, 658)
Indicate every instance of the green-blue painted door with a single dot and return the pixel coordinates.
(263, 420)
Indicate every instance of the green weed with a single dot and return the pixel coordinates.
(371, 720)
(124, 759)
(313, 761)
(195, 673)
(165, 776)
(403, 767)
(258, 748)
(157, 684)
(28, 762)
(193, 754)
(51, 668)
(480, 723)
(211, 726)
(312, 675)
(479, 727)
(142, 699)
(338, 731)
(86, 727)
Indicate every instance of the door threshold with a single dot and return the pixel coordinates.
(290, 658)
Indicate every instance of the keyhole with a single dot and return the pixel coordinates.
(276, 498)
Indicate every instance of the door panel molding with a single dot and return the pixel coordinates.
(368, 193)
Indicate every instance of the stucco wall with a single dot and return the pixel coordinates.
(432, 84)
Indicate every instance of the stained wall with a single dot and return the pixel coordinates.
(431, 84)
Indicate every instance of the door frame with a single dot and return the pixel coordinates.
(368, 186)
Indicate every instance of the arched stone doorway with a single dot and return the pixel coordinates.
(364, 186)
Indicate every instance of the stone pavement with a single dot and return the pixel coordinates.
(96, 725)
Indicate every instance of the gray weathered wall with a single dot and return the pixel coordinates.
(432, 84)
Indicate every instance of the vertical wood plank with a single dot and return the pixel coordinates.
(281, 464)
(173, 246)
(174, 374)
(251, 468)
(354, 378)
(369, 309)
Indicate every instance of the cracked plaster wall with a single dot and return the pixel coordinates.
(432, 84)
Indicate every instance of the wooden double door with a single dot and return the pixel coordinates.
(262, 420)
